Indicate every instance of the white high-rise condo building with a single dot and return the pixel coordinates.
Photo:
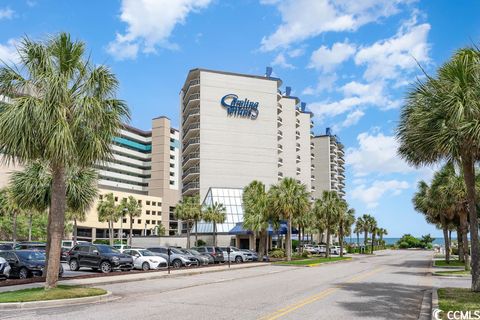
(328, 165)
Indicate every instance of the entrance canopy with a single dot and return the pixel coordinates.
(239, 230)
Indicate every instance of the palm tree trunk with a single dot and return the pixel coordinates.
(14, 228)
(56, 225)
(110, 232)
(447, 244)
(74, 230)
(261, 244)
(373, 239)
(214, 233)
(469, 176)
(254, 236)
(358, 242)
(289, 239)
(464, 229)
(30, 222)
(340, 236)
(131, 231)
(461, 256)
(365, 240)
(327, 254)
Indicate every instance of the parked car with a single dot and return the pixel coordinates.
(177, 258)
(145, 259)
(214, 252)
(4, 269)
(6, 246)
(236, 255)
(252, 252)
(121, 247)
(31, 245)
(98, 257)
(310, 249)
(320, 249)
(203, 259)
(26, 263)
(336, 250)
(69, 244)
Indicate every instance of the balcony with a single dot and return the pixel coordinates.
(194, 85)
(279, 135)
(311, 124)
(341, 160)
(195, 97)
(191, 116)
(279, 121)
(312, 156)
(279, 148)
(312, 178)
(280, 174)
(193, 157)
(298, 159)
(193, 142)
(312, 145)
(191, 187)
(280, 162)
(297, 135)
(297, 123)
(312, 135)
(191, 131)
(299, 170)
(190, 173)
(312, 166)
(279, 108)
(297, 147)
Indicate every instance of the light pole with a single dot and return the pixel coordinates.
(124, 210)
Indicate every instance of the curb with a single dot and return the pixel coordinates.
(160, 276)
(452, 276)
(427, 306)
(329, 262)
(434, 303)
(57, 303)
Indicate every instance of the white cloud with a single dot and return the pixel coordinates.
(325, 83)
(281, 61)
(390, 58)
(8, 51)
(351, 119)
(356, 95)
(327, 60)
(295, 53)
(370, 195)
(303, 19)
(6, 13)
(376, 154)
(150, 24)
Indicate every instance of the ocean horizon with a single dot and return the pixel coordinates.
(389, 241)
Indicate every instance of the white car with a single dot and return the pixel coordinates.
(236, 255)
(145, 260)
(4, 268)
(336, 250)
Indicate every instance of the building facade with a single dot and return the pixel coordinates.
(328, 165)
(236, 128)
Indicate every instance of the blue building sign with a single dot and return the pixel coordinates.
(240, 108)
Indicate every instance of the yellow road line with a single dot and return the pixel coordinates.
(292, 307)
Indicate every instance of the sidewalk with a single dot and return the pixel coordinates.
(139, 276)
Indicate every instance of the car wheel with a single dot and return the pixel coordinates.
(106, 267)
(23, 273)
(145, 266)
(177, 263)
(238, 259)
(74, 265)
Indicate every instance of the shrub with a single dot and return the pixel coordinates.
(101, 241)
(404, 245)
(303, 255)
(200, 243)
(277, 253)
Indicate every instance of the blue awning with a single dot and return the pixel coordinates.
(239, 230)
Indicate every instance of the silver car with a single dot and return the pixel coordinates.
(202, 259)
(177, 258)
(4, 269)
(236, 255)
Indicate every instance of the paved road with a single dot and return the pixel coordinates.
(389, 285)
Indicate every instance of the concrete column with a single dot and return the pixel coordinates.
(94, 234)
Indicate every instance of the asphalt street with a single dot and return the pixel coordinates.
(389, 285)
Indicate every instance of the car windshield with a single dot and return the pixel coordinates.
(195, 252)
(175, 250)
(107, 249)
(31, 255)
(146, 253)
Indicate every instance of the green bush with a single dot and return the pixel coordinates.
(200, 243)
(404, 245)
(303, 255)
(295, 244)
(277, 253)
(101, 241)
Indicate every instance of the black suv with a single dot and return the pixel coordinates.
(98, 256)
(26, 263)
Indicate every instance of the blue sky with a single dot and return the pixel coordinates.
(351, 61)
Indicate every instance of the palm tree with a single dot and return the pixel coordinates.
(440, 122)
(359, 227)
(184, 212)
(62, 109)
(328, 210)
(367, 226)
(373, 231)
(215, 213)
(108, 212)
(345, 222)
(381, 232)
(289, 199)
(132, 208)
(195, 208)
(256, 213)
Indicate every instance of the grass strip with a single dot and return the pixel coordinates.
(40, 294)
(457, 299)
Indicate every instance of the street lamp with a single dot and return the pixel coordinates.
(124, 210)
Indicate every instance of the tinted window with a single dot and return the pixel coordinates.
(5, 247)
(210, 249)
(175, 250)
(31, 255)
(201, 249)
(84, 249)
(146, 253)
(107, 249)
(218, 249)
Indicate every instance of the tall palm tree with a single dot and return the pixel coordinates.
(367, 226)
(132, 208)
(345, 222)
(289, 199)
(62, 109)
(108, 212)
(440, 122)
(328, 210)
(373, 231)
(195, 208)
(359, 227)
(215, 213)
(256, 214)
(183, 211)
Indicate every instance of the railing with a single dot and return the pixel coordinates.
(194, 96)
(195, 155)
(190, 142)
(191, 185)
(195, 125)
(192, 83)
(191, 112)
(191, 170)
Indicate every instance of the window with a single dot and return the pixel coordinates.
(154, 203)
(116, 199)
(154, 213)
(148, 211)
(139, 221)
(148, 203)
(148, 221)
(172, 165)
(172, 182)
(124, 220)
(84, 249)
(172, 174)
(124, 199)
(172, 148)
(172, 140)
(172, 157)
(139, 201)
(159, 204)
